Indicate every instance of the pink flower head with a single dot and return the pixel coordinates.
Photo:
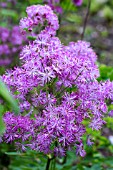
(77, 2)
(111, 113)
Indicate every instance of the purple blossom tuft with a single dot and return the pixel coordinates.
(111, 113)
(77, 2)
(57, 90)
(7, 50)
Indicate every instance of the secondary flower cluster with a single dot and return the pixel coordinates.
(7, 3)
(77, 2)
(37, 15)
(10, 44)
(55, 4)
(56, 88)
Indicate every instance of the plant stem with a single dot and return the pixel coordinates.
(48, 163)
(86, 19)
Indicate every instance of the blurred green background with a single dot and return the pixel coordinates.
(99, 32)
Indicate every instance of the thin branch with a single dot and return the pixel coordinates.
(86, 19)
(48, 164)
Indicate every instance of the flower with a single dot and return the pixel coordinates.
(57, 90)
(7, 50)
(77, 2)
(79, 150)
(110, 113)
(55, 5)
(89, 142)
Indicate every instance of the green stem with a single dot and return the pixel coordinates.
(86, 19)
(48, 163)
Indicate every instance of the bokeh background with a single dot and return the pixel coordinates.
(99, 32)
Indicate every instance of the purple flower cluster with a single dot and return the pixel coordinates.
(10, 44)
(6, 3)
(55, 4)
(77, 2)
(39, 15)
(56, 88)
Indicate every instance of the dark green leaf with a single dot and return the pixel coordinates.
(5, 94)
(2, 125)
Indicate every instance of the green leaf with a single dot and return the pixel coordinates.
(31, 38)
(9, 13)
(13, 153)
(35, 2)
(107, 12)
(5, 94)
(74, 18)
(2, 125)
(67, 5)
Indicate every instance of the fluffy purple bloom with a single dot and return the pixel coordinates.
(111, 113)
(3, 4)
(77, 2)
(57, 90)
(89, 141)
(7, 50)
(18, 127)
(38, 14)
(80, 150)
(55, 5)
